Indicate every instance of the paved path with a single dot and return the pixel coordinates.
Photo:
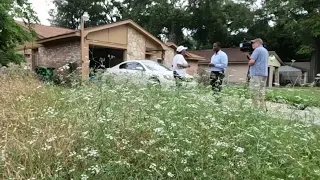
(310, 114)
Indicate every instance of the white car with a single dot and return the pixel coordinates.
(146, 72)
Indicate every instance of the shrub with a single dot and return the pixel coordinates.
(203, 77)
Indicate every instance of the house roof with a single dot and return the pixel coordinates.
(235, 56)
(76, 33)
(190, 56)
(46, 31)
(287, 68)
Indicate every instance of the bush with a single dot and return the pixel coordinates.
(67, 75)
(203, 77)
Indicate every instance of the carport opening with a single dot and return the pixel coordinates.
(102, 57)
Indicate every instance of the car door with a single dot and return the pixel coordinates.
(132, 71)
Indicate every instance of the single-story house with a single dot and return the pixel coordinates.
(104, 46)
(237, 70)
(292, 75)
(305, 68)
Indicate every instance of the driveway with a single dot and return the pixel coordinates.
(285, 111)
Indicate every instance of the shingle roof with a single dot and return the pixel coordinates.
(74, 33)
(234, 55)
(190, 56)
(47, 31)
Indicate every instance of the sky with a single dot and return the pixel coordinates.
(42, 7)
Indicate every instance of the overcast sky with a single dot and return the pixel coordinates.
(42, 7)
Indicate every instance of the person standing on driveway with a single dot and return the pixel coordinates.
(218, 64)
(258, 65)
(180, 65)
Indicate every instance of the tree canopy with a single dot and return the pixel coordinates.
(291, 28)
(195, 23)
(12, 34)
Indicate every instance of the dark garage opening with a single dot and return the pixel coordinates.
(102, 58)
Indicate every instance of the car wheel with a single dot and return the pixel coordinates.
(153, 82)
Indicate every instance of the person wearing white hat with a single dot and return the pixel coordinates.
(180, 65)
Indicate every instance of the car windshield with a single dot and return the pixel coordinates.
(154, 66)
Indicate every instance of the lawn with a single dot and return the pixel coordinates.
(306, 96)
(123, 131)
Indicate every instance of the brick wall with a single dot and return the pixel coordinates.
(155, 55)
(136, 45)
(58, 55)
(168, 57)
(193, 67)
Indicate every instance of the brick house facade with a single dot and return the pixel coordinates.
(133, 41)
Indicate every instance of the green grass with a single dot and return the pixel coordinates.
(114, 131)
(295, 96)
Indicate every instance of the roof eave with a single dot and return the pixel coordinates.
(68, 35)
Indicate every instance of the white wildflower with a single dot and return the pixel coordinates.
(157, 106)
(170, 174)
(159, 131)
(153, 166)
(84, 177)
(240, 149)
(189, 153)
(108, 136)
(187, 169)
(93, 153)
(31, 142)
(46, 147)
(72, 154)
(94, 169)
(184, 161)
(140, 151)
(52, 139)
(163, 168)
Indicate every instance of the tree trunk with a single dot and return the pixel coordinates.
(315, 58)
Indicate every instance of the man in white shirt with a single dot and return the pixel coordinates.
(218, 64)
(180, 65)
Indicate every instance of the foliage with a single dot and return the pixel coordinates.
(299, 17)
(68, 12)
(305, 96)
(122, 131)
(206, 21)
(12, 34)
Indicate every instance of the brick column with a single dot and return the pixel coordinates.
(125, 55)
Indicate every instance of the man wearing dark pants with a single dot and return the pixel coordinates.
(218, 64)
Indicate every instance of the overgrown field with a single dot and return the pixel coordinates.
(294, 96)
(112, 131)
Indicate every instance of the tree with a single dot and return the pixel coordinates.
(302, 19)
(68, 12)
(164, 19)
(12, 34)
